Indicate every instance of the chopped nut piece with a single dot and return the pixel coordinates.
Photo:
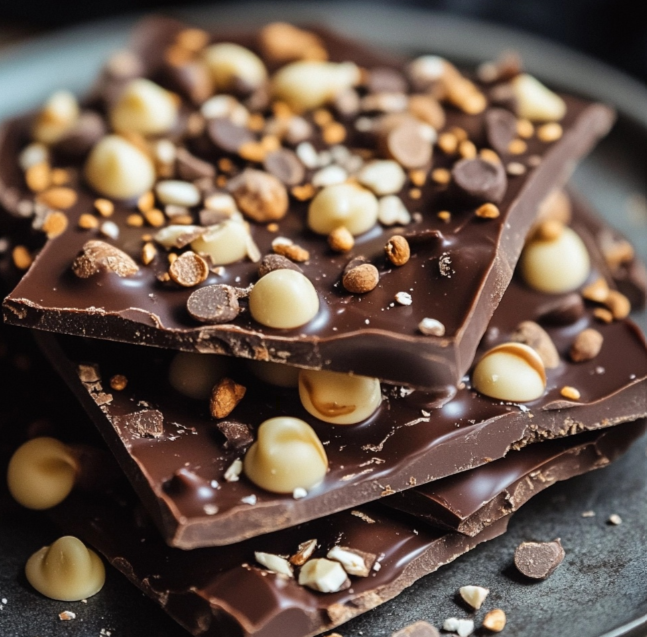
(391, 210)
(463, 627)
(341, 240)
(403, 298)
(237, 434)
(118, 382)
(284, 42)
(304, 552)
(587, 345)
(135, 221)
(259, 195)
(448, 143)
(549, 132)
(474, 595)
(38, 176)
(495, 620)
(291, 251)
(155, 218)
(355, 562)
(149, 252)
(361, 279)
(441, 175)
(88, 221)
(517, 147)
(146, 202)
(431, 327)
(233, 472)
(324, 575)
(225, 396)
(603, 315)
(98, 255)
(383, 177)
(274, 563)
(598, 291)
(615, 519)
(535, 336)
(189, 270)
(445, 216)
(58, 197)
(618, 304)
(525, 128)
(397, 250)
(66, 616)
(55, 224)
(179, 193)
(487, 211)
(570, 392)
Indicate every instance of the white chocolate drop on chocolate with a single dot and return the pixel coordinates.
(287, 455)
(41, 473)
(58, 115)
(275, 373)
(346, 205)
(116, 168)
(145, 108)
(224, 243)
(194, 375)
(67, 570)
(555, 266)
(283, 299)
(512, 372)
(536, 102)
(310, 84)
(340, 399)
(230, 62)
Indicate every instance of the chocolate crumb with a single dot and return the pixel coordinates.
(214, 304)
(147, 423)
(537, 560)
(238, 435)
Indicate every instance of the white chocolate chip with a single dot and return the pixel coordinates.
(231, 62)
(179, 193)
(536, 102)
(33, 154)
(337, 398)
(287, 455)
(224, 243)
(403, 298)
(67, 570)
(310, 84)
(392, 211)
(431, 327)
(58, 115)
(512, 372)
(329, 176)
(383, 177)
(463, 627)
(474, 595)
(194, 375)
(145, 108)
(555, 266)
(323, 575)
(274, 563)
(346, 205)
(283, 299)
(41, 473)
(234, 470)
(227, 107)
(116, 168)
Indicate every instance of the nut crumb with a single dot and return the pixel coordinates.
(615, 519)
(66, 616)
(495, 620)
(225, 395)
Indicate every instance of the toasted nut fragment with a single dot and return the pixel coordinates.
(274, 563)
(535, 336)
(403, 298)
(97, 256)
(38, 177)
(283, 299)
(618, 304)
(598, 291)
(441, 175)
(397, 250)
(59, 197)
(225, 396)
(549, 132)
(67, 570)
(41, 473)
(307, 85)
(570, 392)
(615, 519)
(346, 205)
(431, 327)
(214, 304)
(176, 192)
(495, 620)
(548, 230)
(286, 455)
(361, 279)
(116, 168)
(603, 315)
(587, 345)
(118, 382)
(231, 63)
(512, 372)
(283, 42)
(291, 251)
(341, 399)
(189, 270)
(88, 221)
(355, 562)
(303, 554)
(145, 108)
(194, 375)
(488, 211)
(428, 110)
(58, 115)
(324, 576)
(259, 195)
(54, 224)
(341, 240)
(463, 627)
(135, 221)
(474, 595)
(517, 147)
(234, 470)
(555, 266)
(534, 101)
(149, 252)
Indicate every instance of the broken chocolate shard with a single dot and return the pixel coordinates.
(214, 304)
(228, 136)
(563, 310)
(190, 167)
(419, 629)
(501, 129)
(285, 166)
(538, 560)
(145, 423)
(479, 181)
(97, 256)
(238, 435)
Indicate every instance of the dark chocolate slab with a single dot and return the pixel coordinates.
(405, 443)
(363, 334)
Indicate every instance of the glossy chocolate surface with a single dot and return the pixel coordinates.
(405, 443)
(367, 334)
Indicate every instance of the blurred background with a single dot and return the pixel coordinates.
(614, 31)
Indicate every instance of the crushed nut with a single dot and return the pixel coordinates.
(55, 224)
(488, 211)
(98, 255)
(495, 620)
(431, 327)
(291, 251)
(189, 269)
(341, 240)
(397, 250)
(403, 298)
(570, 392)
(274, 563)
(355, 562)
(324, 575)
(225, 395)
(361, 278)
(59, 198)
(587, 345)
(304, 552)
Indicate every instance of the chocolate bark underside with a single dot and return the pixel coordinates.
(399, 447)
(210, 593)
(482, 254)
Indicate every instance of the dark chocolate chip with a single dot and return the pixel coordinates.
(192, 80)
(538, 560)
(190, 167)
(383, 79)
(424, 236)
(419, 629)
(238, 435)
(503, 95)
(564, 310)
(500, 128)
(285, 166)
(228, 136)
(78, 141)
(407, 144)
(479, 181)
(147, 423)
(214, 304)
(272, 262)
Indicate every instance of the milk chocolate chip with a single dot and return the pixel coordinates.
(480, 181)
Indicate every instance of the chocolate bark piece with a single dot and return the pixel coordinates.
(407, 442)
(538, 560)
(223, 591)
(482, 253)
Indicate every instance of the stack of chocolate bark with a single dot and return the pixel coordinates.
(332, 312)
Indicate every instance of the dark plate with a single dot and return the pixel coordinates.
(601, 589)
